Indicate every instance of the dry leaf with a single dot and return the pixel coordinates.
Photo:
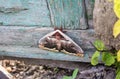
(117, 9)
(116, 29)
(118, 56)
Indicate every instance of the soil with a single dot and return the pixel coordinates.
(22, 71)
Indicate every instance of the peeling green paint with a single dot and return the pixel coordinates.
(69, 14)
(24, 12)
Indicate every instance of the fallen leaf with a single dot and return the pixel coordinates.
(118, 56)
(117, 9)
(116, 29)
(116, 1)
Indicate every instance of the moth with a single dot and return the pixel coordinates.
(58, 41)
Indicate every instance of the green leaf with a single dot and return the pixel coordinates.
(118, 75)
(108, 58)
(118, 69)
(75, 73)
(67, 77)
(95, 58)
(99, 45)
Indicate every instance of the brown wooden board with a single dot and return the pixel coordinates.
(22, 42)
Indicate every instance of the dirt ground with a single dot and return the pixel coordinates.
(21, 71)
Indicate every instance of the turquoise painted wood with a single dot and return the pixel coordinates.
(36, 53)
(89, 8)
(24, 12)
(23, 42)
(68, 13)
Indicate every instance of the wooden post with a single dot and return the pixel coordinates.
(104, 19)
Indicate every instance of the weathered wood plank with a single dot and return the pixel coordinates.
(24, 12)
(89, 8)
(23, 42)
(36, 53)
(69, 14)
(29, 36)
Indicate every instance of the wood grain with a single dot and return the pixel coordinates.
(36, 53)
(23, 42)
(69, 14)
(24, 12)
(104, 20)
